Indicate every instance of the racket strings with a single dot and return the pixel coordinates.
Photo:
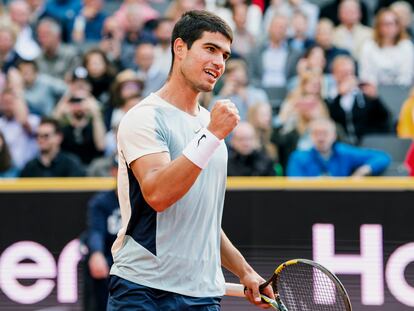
(303, 287)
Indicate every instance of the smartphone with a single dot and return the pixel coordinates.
(75, 100)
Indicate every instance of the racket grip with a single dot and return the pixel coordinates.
(235, 290)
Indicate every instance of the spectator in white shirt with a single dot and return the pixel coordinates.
(388, 59)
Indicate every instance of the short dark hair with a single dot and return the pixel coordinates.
(193, 24)
(28, 62)
(55, 123)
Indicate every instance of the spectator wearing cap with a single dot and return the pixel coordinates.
(148, 70)
(51, 161)
(41, 91)
(56, 58)
(81, 118)
(126, 92)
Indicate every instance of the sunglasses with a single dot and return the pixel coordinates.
(44, 135)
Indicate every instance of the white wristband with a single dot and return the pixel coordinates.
(201, 148)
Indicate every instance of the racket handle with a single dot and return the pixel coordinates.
(235, 290)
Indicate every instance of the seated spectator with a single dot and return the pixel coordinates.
(294, 133)
(41, 91)
(404, 12)
(162, 51)
(56, 58)
(243, 40)
(101, 73)
(260, 116)
(313, 62)
(82, 123)
(357, 108)
(147, 12)
(111, 42)
(325, 39)
(330, 158)
(103, 223)
(350, 34)
(88, 23)
(299, 40)
(18, 127)
(64, 12)
(253, 14)
(147, 69)
(330, 11)
(8, 55)
(126, 87)
(177, 8)
(7, 168)
(25, 46)
(388, 59)
(274, 62)
(135, 34)
(405, 126)
(51, 161)
(237, 88)
(309, 9)
(246, 158)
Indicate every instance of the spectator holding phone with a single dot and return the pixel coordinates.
(82, 123)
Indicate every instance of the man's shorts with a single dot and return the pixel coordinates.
(128, 296)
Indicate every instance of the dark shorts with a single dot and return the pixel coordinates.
(125, 295)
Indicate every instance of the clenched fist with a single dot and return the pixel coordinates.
(223, 118)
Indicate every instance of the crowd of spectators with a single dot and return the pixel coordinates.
(70, 69)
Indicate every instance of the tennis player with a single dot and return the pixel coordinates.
(172, 179)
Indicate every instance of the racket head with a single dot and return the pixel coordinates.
(302, 284)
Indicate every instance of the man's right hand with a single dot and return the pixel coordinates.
(224, 118)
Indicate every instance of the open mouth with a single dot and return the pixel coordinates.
(212, 73)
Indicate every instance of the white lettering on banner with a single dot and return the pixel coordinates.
(394, 273)
(43, 270)
(11, 269)
(369, 263)
(68, 272)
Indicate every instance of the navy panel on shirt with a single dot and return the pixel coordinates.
(142, 225)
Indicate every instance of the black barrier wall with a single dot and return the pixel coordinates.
(366, 237)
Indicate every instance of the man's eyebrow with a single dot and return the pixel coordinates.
(218, 47)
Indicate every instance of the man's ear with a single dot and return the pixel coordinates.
(180, 48)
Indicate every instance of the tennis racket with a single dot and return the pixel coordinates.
(301, 285)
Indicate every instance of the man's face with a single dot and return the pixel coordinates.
(6, 41)
(278, 29)
(324, 35)
(203, 64)
(7, 104)
(47, 38)
(343, 70)
(28, 72)
(349, 13)
(144, 56)
(47, 138)
(20, 13)
(244, 140)
(323, 136)
(164, 32)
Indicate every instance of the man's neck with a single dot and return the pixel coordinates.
(46, 158)
(179, 93)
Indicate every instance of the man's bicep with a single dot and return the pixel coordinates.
(148, 164)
